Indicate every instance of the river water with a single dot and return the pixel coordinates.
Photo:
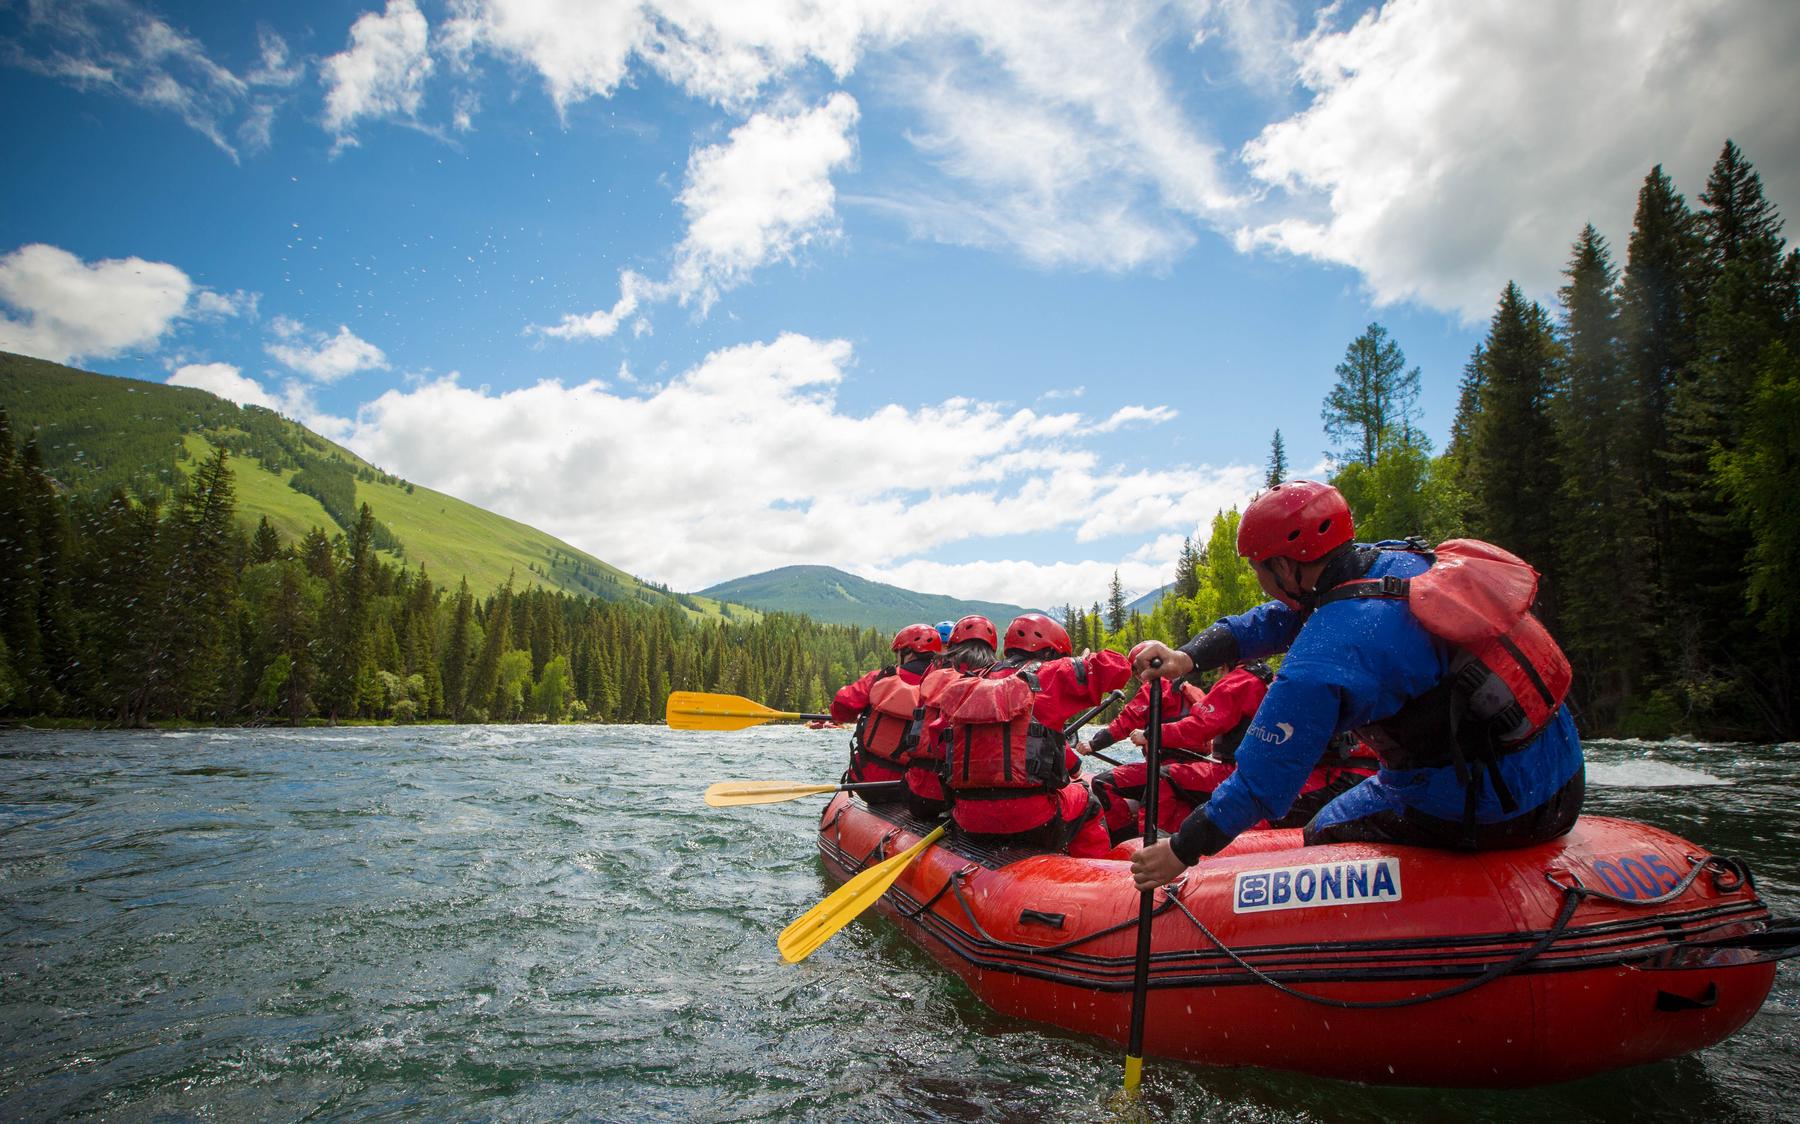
(545, 922)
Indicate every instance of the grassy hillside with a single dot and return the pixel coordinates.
(835, 597)
(96, 432)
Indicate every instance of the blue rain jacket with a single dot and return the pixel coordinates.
(1350, 663)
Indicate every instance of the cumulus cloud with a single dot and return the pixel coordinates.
(226, 381)
(321, 357)
(1136, 415)
(759, 197)
(747, 462)
(62, 308)
(1450, 148)
(383, 71)
(725, 51)
(115, 45)
(603, 322)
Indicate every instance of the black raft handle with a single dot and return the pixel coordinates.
(1054, 920)
(1669, 1001)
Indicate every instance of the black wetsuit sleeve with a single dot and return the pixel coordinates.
(1214, 647)
(1198, 837)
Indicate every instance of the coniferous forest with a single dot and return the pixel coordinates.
(1639, 443)
(123, 610)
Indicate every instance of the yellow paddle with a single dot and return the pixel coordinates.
(728, 794)
(697, 710)
(814, 927)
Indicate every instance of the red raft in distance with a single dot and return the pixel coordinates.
(1615, 945)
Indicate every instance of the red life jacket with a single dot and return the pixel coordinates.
(994, 748)
(931, 734)
(1510, 675)
(884, 730)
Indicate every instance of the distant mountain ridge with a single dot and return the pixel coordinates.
(96, 432)
(1149, 600)
(832, 596)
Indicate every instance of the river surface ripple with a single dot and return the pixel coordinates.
(528, 923)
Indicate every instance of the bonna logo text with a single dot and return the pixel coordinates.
(1303, 887)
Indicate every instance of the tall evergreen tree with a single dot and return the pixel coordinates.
(1658, 301)
(1278, 464)
(1606, 594)
(1512, 466)
(1375, 398)
(1115, 604)
(1744, 310)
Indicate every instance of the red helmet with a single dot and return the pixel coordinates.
(975, 627)
(1034, 632)
(1299, 519)
(918, 638)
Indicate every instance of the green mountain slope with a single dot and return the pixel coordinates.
(96, 432)
(832, 596)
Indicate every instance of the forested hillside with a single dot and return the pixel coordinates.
(96, 433)
(828, 594)
(133, 610)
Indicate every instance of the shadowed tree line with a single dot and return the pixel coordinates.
(128, 609)
(1639, 444)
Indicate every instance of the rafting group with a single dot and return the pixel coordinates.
(1375, 866)
(1419, 702)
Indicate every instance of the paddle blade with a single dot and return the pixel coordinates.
(814, 927)
(698, 710)
(728, 794)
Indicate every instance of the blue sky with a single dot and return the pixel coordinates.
(988, 300)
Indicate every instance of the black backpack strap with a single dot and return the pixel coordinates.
(1390, 587)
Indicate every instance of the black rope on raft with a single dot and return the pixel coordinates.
(915, 914)
(1729, 875)
(1570, 900)
(955, 884)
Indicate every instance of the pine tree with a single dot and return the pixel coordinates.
(1375, 398)
(1606, 595)
(1513, 458)
(458, 648)
(1278, 465)
(265, 544)
(1115, 604)
(1187, 569)
(1742, 312)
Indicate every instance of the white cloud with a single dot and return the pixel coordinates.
(226, 381)
(1055, 127)
(209, 305)
(64, 308)
(604, 322)
(325, 358)
(1136, 415)
(382, 73)
(115, 45)
(746, 462)
(1452, 147)
(725, 51)
(761, 196)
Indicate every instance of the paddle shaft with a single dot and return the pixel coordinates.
(783, 715)
(1087, 716)
(1140, 978)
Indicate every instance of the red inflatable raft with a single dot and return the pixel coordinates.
(1614, 945)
